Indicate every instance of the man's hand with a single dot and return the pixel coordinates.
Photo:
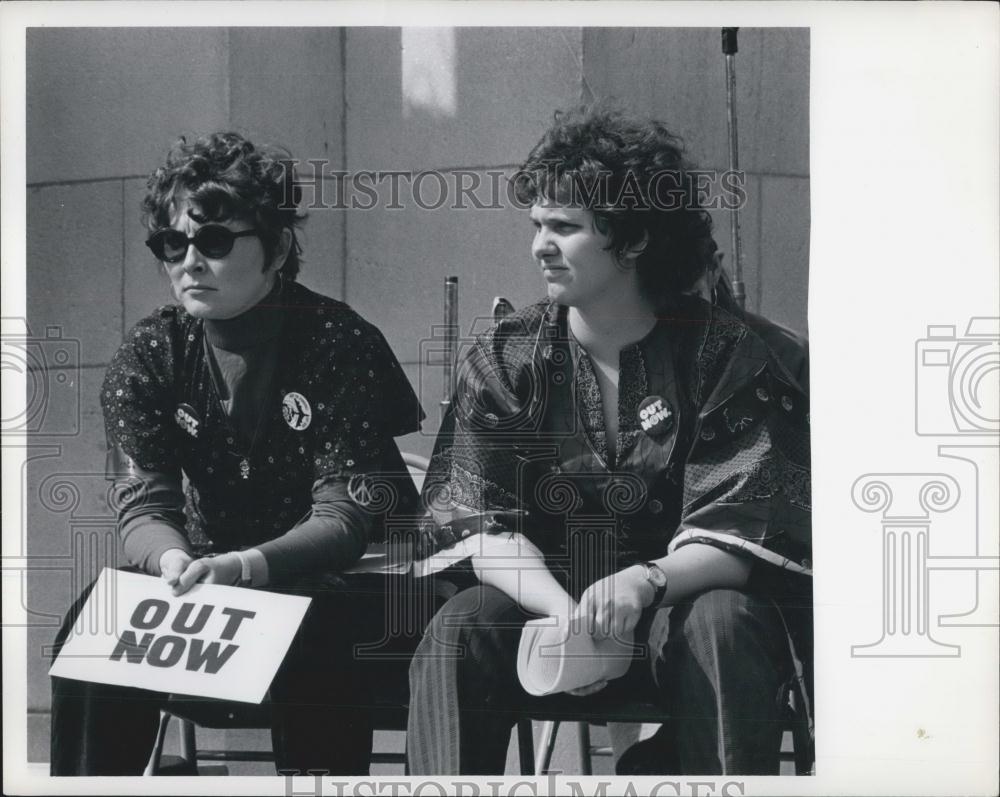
(223, 569)
(613, 605)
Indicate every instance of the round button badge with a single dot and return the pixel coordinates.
(187, 419)
(655, 416)
(296, 411)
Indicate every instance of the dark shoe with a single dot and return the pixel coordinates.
(174, 765)
(649, 757)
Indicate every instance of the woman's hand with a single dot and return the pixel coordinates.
(173, 562)
(613, 605)
(223, 569)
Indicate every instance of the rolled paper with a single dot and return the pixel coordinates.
(557, 654)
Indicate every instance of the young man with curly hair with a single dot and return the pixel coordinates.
(625, 455)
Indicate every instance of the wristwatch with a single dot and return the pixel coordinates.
(655, 576)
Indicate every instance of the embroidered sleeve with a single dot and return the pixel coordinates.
(472, 490)
(747, 478)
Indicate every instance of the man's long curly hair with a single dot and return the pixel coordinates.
(632, 174)
(227, 177)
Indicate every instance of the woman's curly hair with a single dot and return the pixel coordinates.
(631, 173)
(227, 177)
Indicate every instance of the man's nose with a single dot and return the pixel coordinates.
(542, 244)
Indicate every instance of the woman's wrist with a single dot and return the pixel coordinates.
(172, 561)
(257, 564)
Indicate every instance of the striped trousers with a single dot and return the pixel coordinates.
(717, 665)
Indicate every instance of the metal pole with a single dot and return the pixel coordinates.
(450, 338)
(729, 48)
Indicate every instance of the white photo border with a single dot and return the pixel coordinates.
(905, 114)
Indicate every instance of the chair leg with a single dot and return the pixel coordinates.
(546, 745)
(526, 746)
(583, 739)
(802, 748)
(157, 754)
(189, 748)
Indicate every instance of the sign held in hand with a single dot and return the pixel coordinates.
(213, 641)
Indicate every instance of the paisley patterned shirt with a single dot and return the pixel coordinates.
(713, 447)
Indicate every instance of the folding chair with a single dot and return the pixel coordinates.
(192, 713)
(554, 710)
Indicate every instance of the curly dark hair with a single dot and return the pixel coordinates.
(228, 177)
(631, 173)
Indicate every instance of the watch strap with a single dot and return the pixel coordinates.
(659, 590)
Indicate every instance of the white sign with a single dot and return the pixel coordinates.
(212, 641)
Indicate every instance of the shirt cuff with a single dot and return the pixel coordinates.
(258, 567)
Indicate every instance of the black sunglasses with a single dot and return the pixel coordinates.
(212, 240)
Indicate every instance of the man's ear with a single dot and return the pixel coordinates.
(628, 256)
(281, 250)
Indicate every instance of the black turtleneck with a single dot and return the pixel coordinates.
(242, 355)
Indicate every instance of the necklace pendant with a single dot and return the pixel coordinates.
(245, 468)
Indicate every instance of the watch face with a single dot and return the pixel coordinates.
(655, 575)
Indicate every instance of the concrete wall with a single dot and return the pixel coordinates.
(105, 104)
(683, 82)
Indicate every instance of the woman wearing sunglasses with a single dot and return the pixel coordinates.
(279, 406)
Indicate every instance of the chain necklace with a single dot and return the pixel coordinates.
(262, 415)
(269, 362)
(244, 458)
